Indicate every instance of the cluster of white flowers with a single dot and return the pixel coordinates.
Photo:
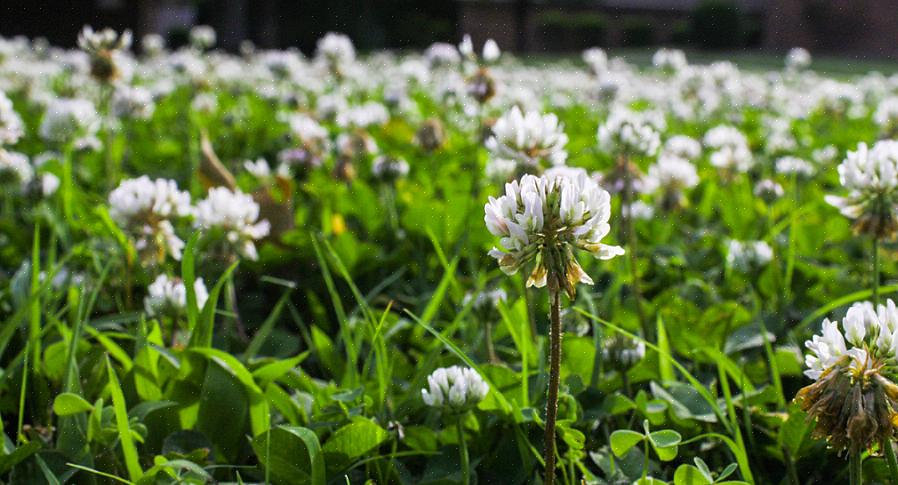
(528, 138)
(237, 215)
(11, 127)
(487, 299)
(748, 255)
(798, 58)
(870, 175)
(442, 54)
(68, 120)
(15, 169)
(670, 173)
(794, 166)
(363, 116)
(768, 190)
(168, 296)
(886, 115)
(202, 37)
(490, 53)
(682, 146)
(628, 132)
(389, 168)
(455, 389)
(622, 352)
(133, 102)
(335, 50)
(544, 219)
(669, 60)
(102, 41)
(871, 331)
(731, 149)
(145, 209)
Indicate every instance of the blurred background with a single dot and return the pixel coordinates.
(858, 28)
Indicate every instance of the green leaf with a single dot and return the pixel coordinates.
(353, 441)
(189, 277)
(665, 438)
(665, 368)
(690, 475)
(18, 456)
(624, 439)
(69, 403)
(291, 455)
(201, 334)
(132, 462)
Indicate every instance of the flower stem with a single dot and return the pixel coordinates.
(554, 378)
(630, 234)
(876, 270)
(854, 467)
(463, 451)
(890, 458)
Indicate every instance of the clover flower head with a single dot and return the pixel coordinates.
(854, 398)
(528, 138)
(622, 352)
(798, 58)
(144, 209)
(669, 60)
(871, 177)
(104, 47)
(746, 256)
(670, 173)
(11, 126)
(442, 54)
(596, 59)
(768, 189)
(133, 102)
(794, 166)
(486, 299)
(455, 389)
(682, 146)
(335, 50)
(389, 168)
(627, 132)
(543, 220)
(15, 170)
(235, 214)
(67, 120)
(167, 295)
(203, 37)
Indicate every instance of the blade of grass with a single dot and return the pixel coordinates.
(132, 461)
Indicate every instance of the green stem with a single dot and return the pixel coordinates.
(630, 233)
(67, 182)
(854, 468)
(554, 380)
(876, 270)
(890, 458)
(463, 452)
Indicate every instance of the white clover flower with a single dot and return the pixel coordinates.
(542, 220)
(487, 299)
(622, 352)
(169, 296)
(144, 208)
(682, 146)
(886, 115)
(638, 210)
(596, 59)
(305, 129)
(49, 184)
(133, 102)
(11, 126)
(630, 133)
(98, 42)
(369, 114)
(725, 136)
(491, 51)
(871, 177)
(746, 256)
(455, 389)
(670, 173)
(794, 166)
(528, 138)
(768, 190)
(669, 60)
(258, 168)
(67, 120)
(500, 169)
(389, 168)
(235, 214)
(736, 159)
(152, 44)
(825, 155)
(204, 103)
(202, 37)
(336, 50)
(15, 169)
(797, 59)
(865, 327)
(442, 54)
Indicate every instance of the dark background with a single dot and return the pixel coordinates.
(860, 28)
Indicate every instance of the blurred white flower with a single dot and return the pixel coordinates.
(455, 389)
(794, 166)
(67, 120)
(235, 214)
(797, 59)
(168, 296)
(627, 132)
(747, 256)
(669, 60)
(202, 37)
(528, 138)
(389, 168)
(15, 170)
(682, 146)
(11, 126)
(871, 177)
